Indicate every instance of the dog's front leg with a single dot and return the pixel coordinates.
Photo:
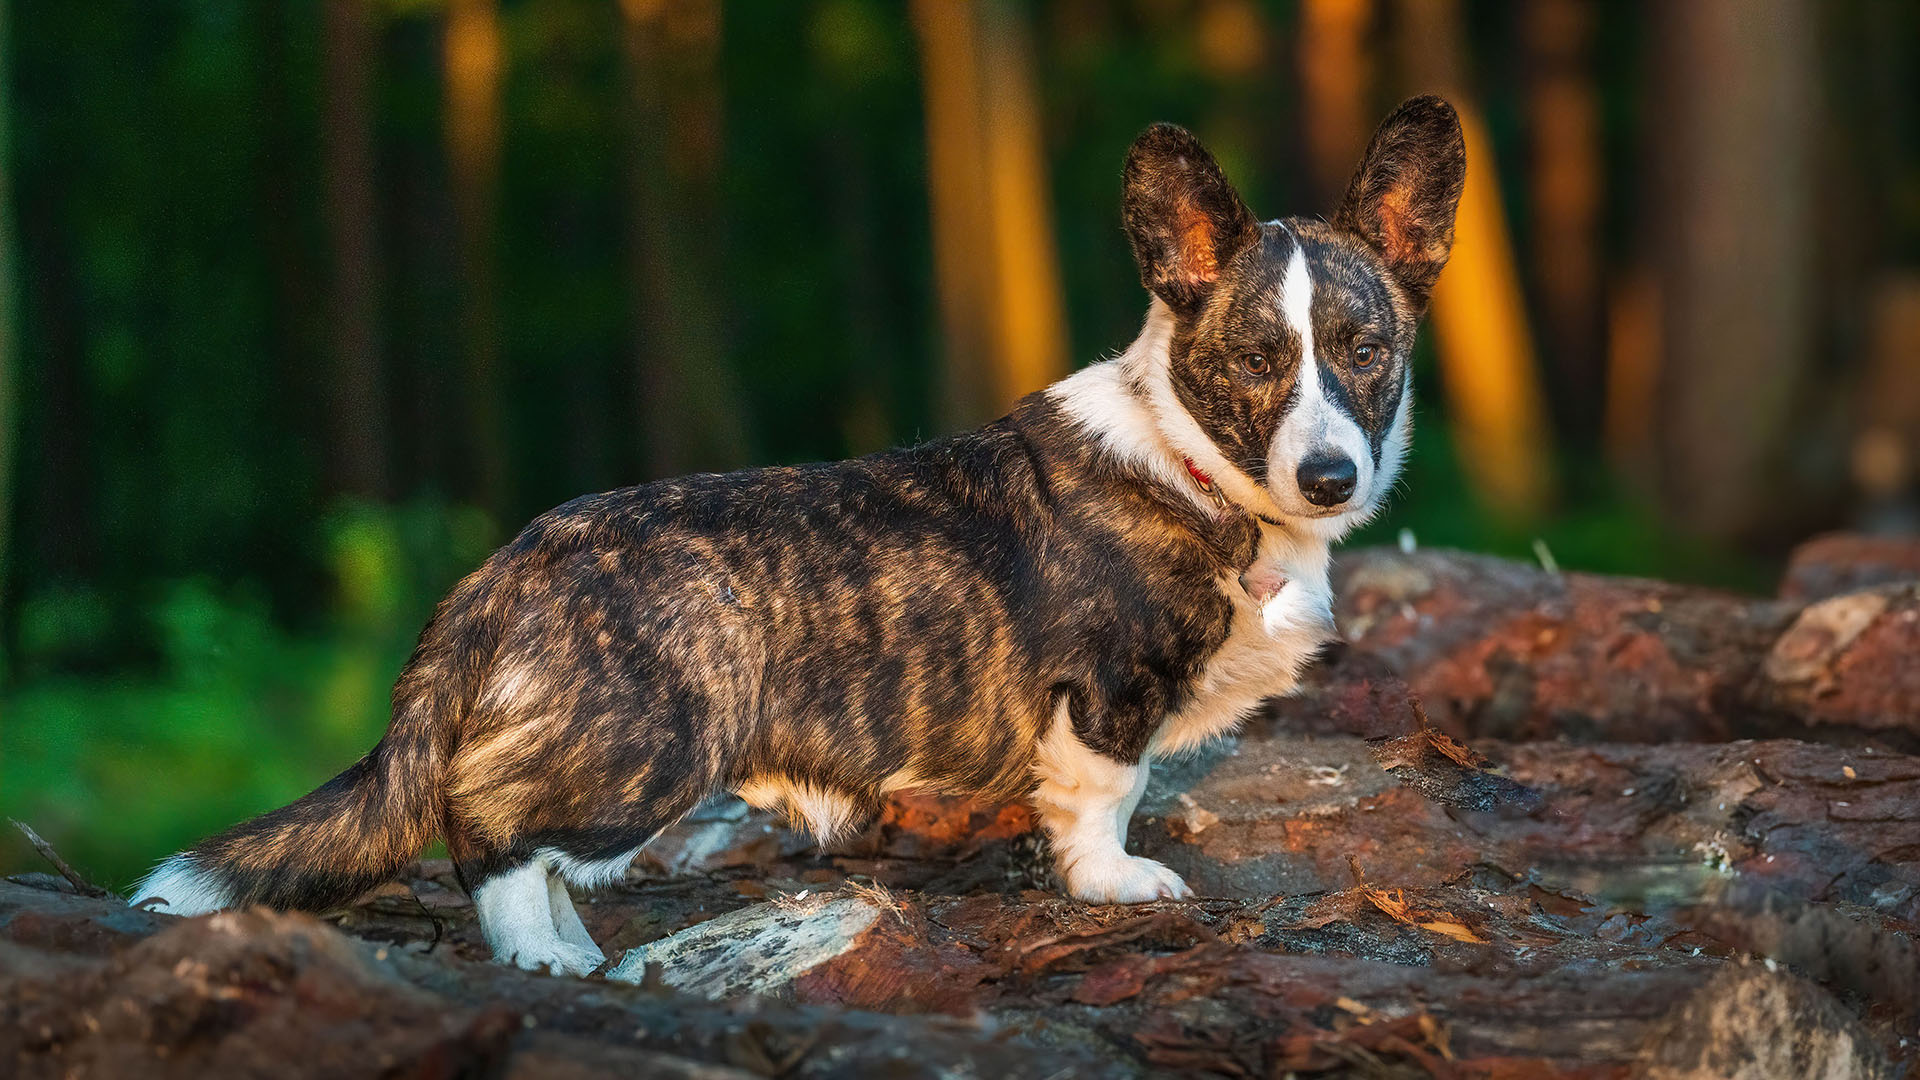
(1085, 799)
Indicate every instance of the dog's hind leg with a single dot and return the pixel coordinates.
(518, 919)
(566, 918)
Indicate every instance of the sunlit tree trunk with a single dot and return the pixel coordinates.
(690, 416)
(356, 452)
(474, 65)
(1734, 254)
(1336, 84)
(995, 263)
(1495, 405)
(949, 48)
(1563, 159)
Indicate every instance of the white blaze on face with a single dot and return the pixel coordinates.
(1314, 425)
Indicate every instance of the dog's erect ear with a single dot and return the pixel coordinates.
(1403, 196)
(1183, 219)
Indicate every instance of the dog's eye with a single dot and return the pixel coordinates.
(1255, 364)
(1365, 355)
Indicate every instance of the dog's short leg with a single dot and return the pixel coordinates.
(1084, 799)
(566, 919)
(520, 920)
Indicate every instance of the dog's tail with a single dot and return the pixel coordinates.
(351, 833)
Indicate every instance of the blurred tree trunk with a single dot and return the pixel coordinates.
(1734, 254)
(1882, 121)
(474, 65)
(357, 457)
(282, 172)
(1336, 84)
(690, 415)
(1563, 129)
(1633, 373)
(9, 361)
(1885, 450)
(68, 542)
(995, 263)
(1495, 405)
(423, 317)
(872, 327)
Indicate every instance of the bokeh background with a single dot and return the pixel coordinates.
(310, 303)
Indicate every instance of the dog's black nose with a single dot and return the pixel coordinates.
(1327, 480)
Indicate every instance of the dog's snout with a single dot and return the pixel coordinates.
(1327, 479)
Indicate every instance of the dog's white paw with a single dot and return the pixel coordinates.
(1125, 879)
(559, 957)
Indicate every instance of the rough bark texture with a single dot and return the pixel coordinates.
(1848, 562)
(1505, 650)
(1623, 886)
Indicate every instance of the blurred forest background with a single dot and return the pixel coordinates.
(305, 305)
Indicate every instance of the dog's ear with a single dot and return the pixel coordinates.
(1184, 220)
(1403, 196)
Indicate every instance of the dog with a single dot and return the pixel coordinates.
(1121, 568)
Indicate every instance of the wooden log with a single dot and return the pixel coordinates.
(1839, 563)
(1506, 650)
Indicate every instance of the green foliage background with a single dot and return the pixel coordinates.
(194, 630)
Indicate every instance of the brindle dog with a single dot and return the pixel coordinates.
(1120, 568)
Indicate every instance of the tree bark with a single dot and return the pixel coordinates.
(1504, 650)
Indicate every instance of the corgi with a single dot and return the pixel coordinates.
(1122, 567)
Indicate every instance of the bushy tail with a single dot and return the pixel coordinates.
(350, 834)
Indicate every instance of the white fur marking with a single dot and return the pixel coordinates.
(1314, 425)
(590, 874)
(1268, 644)
(827, 814)
(1085, 800)
(187, 889)
(566, 918)
(1296, 301)
(1393, 448)
(519, 921)
(1129, 404)
(1098, 398)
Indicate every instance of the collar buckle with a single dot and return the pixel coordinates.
(1206, 485)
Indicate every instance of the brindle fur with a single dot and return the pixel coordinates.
(914, 617)
(910, 613)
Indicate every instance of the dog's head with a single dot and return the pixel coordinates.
(1291, 341)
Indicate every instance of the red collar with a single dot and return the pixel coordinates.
(1200, 476)
(1207, 486)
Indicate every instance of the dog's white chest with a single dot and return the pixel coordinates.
(1270, 642)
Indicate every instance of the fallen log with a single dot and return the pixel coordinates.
(270, 995)
(1496, 649)
(1849, 562)
(1381, 896)
(1449, 981)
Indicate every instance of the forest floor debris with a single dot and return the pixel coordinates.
(1620, 849)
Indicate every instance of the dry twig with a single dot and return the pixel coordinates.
(74, 877)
